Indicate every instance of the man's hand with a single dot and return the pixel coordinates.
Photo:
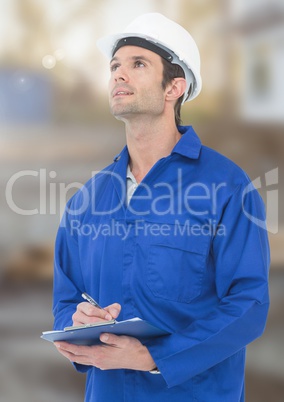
(116, 352)
(88, 314)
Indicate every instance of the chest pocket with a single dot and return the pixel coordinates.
(176, 268)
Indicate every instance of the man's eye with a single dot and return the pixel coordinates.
(114, 67)
(139, 64)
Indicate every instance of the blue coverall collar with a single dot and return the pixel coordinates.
(189, 145)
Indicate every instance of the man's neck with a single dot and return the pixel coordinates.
(149, 142)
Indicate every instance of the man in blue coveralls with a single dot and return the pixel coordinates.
(163, 234)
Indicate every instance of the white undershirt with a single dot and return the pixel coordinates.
(131, 185)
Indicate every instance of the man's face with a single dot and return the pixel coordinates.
(135, 85)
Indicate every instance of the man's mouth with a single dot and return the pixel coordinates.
(122, 93)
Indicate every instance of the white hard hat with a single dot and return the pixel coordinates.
(165, 37)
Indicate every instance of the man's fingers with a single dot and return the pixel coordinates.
(119, 341)
(73, 353)
(114, 309)
(76, 350)
(90, 314)
(91, 311)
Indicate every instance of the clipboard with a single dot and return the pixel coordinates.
(89, 334)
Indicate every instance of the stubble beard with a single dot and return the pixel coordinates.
(151, 105)
(122, 110)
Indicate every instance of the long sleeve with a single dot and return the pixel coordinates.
(241, 260)
(67, 275)
(68, 281)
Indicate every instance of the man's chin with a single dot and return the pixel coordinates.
(121, 113)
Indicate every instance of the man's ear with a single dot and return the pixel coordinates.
(176, 88)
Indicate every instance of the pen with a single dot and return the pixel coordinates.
(92, 302)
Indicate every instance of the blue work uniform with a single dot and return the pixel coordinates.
(189, 254)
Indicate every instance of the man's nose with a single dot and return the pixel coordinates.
(120, 75)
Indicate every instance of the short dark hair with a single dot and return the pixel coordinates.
(170, 72)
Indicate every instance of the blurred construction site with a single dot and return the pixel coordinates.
(56, 132)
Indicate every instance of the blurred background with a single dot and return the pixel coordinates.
(56, 130)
